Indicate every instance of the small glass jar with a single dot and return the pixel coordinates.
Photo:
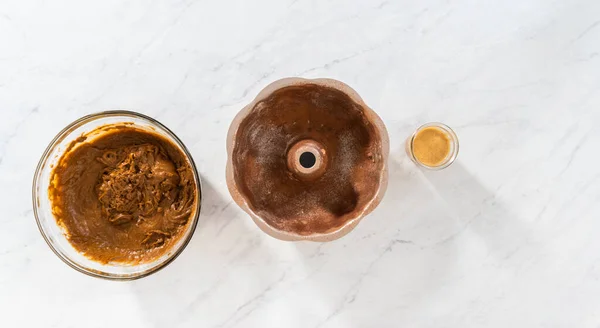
(443, 132)
(54, 234)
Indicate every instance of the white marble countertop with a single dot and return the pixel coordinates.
(506, 237)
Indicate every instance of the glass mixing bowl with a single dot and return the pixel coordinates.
(55, 235)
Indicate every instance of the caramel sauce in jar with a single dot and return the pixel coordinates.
(433, 146)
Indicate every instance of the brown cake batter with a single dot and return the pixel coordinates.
(351, 144)
(123, 194)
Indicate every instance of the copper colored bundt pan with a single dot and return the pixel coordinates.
(307, 159)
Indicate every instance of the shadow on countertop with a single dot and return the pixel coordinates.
(408, 250)
(192, 282)
(391, 266)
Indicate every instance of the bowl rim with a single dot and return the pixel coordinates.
(44, 158)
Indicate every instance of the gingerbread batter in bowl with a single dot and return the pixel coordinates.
(125, 196)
